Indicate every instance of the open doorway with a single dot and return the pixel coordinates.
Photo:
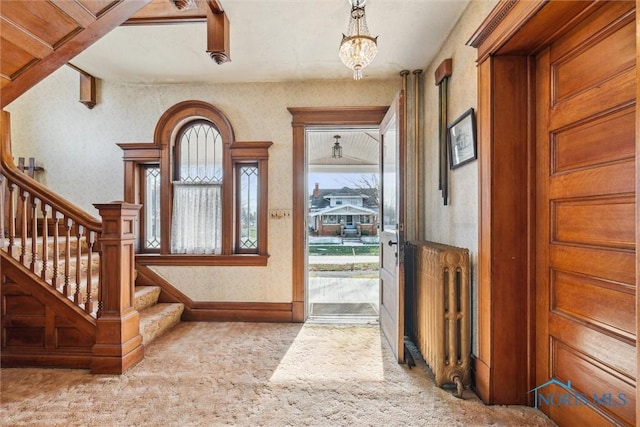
(343, 194)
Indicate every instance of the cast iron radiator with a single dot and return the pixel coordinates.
(441, 313)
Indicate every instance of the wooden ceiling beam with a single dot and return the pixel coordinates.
(218, 28)
(167, 12)
(21, 68)
(215, 6)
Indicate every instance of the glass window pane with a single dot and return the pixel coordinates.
(201, 154)
(152, 208)
(248, 207)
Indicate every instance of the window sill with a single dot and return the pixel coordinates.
(238, 260)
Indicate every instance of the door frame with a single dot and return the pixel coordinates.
(302, 117)
(507, 40)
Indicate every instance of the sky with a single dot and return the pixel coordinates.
(332, 180)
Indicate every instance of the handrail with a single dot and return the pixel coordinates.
(38, 190)
(50, 236)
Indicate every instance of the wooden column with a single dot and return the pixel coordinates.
(118, 342)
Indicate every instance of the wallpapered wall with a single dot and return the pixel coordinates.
(457, 223)
(77, 147)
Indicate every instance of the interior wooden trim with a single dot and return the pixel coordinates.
(88, 90)
(40, 68)
(137, 154)
(172, 119)
(498, 35)
(31, 283)
(58, 312)
(218, 30)
(445, 69)
(337, 116)
(210, 311)
(34, 357)
(301, 118)
(489, 27)
(236, 260)
(168, 293)
(637, 205)
(140, 151)
(164, 12)
(215, 6)
(506, 41)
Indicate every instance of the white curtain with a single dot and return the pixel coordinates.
(196, 226)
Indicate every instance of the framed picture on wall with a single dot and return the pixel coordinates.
(462, 139)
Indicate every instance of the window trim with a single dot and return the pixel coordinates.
(234, 153)
(238, 212)
(142, 182)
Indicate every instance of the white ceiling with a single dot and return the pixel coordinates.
(275, 40)
(360, 150)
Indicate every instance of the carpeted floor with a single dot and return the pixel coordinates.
(252, 374)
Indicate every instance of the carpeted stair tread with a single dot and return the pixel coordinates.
(146, 296)
(159, 318)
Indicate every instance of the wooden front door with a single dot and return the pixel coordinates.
(392, 227)
(585, 221)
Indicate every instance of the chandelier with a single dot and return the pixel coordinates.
(357, 48)
(337, 149)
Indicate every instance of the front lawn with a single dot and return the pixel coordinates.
(343, 250)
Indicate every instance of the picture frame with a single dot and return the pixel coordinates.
(461, 135)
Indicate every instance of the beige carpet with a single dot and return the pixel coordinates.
(252, 374)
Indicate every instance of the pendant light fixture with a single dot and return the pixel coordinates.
(357, 48)
(336, 151)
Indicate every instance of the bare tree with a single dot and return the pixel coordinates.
(369, 183)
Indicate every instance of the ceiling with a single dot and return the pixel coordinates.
(360, 150)
(274, 41)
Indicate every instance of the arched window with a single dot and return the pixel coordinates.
(198, 153)
(204, 195)
(196, 226)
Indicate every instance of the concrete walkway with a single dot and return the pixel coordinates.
(344, 259)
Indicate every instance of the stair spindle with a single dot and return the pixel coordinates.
(99, 312)
(88, 305)
(34, 234)
(67, 258)
(77, 297)
(12, 218)
(22, 207)
(55, 216)
(45, 239)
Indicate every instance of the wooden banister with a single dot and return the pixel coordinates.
(34, 221)
(35, 189)
(30, 210)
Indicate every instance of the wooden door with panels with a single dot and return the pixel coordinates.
(585, 220)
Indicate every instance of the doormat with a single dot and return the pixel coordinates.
(343, 309)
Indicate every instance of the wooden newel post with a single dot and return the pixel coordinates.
(118, 344)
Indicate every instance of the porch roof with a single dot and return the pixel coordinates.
(345, 210)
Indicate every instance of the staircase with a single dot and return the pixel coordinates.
(71, 281)
(67, 279)
(155, 318)
(67, 295)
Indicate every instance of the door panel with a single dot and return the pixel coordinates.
(585, 217)
(392, 225)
